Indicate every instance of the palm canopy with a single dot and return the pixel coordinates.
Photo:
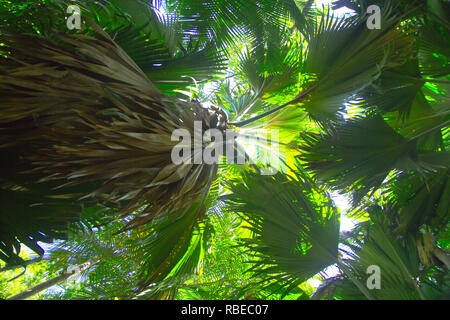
(87, 118)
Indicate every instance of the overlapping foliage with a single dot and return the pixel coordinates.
(86, 119)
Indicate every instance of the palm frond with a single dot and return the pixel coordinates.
(395, 89)
(224, 22)
(295, 227)
(420, 202)
(154, 43)
(433, 53)
(272, 65)
(27, 218)
(398, 262)
(342, 161)
(174, 248)
(344, 57)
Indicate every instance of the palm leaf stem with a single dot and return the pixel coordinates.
(270, 141)
(425, 80)
(297, 99)
(420, 135)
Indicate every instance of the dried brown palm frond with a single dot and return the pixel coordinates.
(82, 113)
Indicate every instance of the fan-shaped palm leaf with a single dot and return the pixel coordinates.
(363, 163)
(174, 248)
(433, 53)
(344, 57)
(399, 266)
(226, 21)
(295, 226)
(421, 202)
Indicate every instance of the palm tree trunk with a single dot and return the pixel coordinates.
(42, 286)
(50, 283)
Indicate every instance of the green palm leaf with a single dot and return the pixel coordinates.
(344, 57)
(421, 202)
(433, 53)
(398, 262)
(362, 164)
(295, 226)
(224, 22)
